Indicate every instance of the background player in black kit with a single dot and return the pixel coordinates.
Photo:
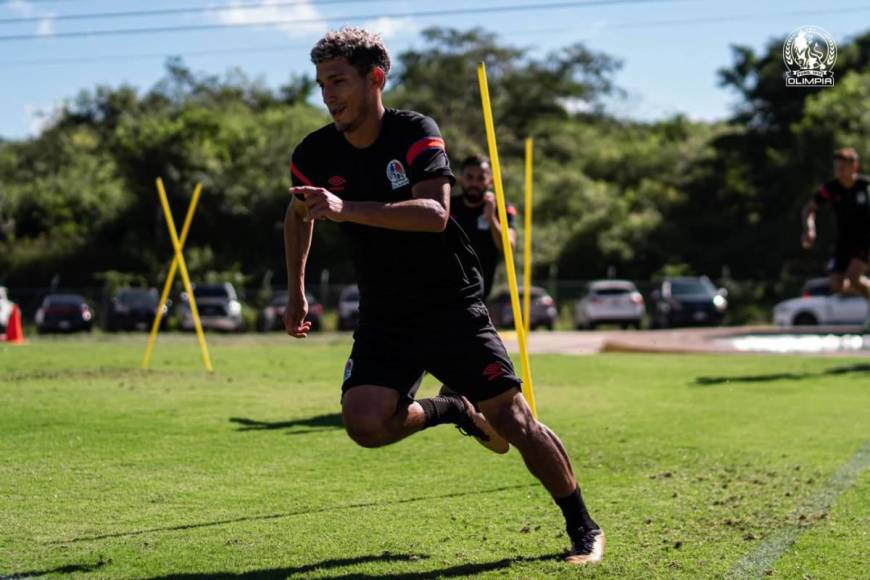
(849, 196)
(474, 211)
(385, 176)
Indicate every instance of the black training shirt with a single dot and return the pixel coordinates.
(852, 208)
(477, 228)
(404, 277)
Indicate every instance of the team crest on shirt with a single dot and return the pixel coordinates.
(396, 174)
(861, 198)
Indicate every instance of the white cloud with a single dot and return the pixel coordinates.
(40, 118)
(269, 10)
(389, 27)
(21, 7)
(45, 27)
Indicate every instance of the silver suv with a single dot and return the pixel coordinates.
(218, 306)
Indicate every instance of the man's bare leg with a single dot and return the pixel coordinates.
(375, 416)
(545, 457)
(858, 284)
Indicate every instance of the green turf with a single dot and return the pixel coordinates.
(110, 471)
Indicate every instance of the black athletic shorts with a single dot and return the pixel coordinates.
(459, 347)
(845, 252)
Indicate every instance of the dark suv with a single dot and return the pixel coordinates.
(133, 309)
(687, 302)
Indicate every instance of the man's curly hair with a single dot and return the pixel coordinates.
(364, 50)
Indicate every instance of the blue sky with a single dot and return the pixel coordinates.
(671, 49)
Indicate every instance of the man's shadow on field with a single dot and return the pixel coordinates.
(841, 370)
(448, 572)
(68, 569)
(314, 424)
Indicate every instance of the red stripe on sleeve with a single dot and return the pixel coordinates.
(422, 145)
(823, 191)
(300, 176)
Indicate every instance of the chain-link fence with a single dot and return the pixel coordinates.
(749, 301)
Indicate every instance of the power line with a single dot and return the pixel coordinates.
(523, 32)
(279, 22)
(185, 10)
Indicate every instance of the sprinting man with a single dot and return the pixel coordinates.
(475, 212)
(849, 196)
(384, 175)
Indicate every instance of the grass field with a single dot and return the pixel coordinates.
(690, 463)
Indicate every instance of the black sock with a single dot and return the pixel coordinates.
(442, 409)
(574, 510)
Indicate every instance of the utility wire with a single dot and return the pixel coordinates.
(282, 21)
(520, 32)
(186, 10)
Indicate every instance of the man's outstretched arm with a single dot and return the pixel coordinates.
(297, 242)
(428, 211)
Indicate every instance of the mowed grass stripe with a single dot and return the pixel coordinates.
(177, 473)
(761, 560)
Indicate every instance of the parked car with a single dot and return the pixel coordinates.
(818, 305)
(5, 308)
(64, 313)
(218, 306)
(542, 306)
(348, 308)
(271, 317)
(134, 309)
(817, 287)
(687, 302)
(609, 302)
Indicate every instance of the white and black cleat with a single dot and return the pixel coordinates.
(587, 548)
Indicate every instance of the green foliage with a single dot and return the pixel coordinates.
(610, 194)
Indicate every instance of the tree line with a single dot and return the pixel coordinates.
(639, 199)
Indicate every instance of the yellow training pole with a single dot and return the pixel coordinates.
(170, 277)
(185, 277)
(528, 389)
(527, 239)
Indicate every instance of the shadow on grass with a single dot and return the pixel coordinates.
(314, 424)
(449, 572)
(300, 512)
(68, 569)
(841, 370)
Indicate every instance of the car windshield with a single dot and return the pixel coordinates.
(64, 299)
(818, 288)
(210, 292)
(610, 291)
(701, 286)
(137, 298)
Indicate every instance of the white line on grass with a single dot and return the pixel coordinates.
(762, 559)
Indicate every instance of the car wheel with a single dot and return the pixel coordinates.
(805, 319)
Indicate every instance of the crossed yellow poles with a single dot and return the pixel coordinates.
(178, 263)
(519, 325)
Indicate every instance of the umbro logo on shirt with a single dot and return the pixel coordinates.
(336, 183)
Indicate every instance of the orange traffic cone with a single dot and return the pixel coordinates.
(14, 334)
